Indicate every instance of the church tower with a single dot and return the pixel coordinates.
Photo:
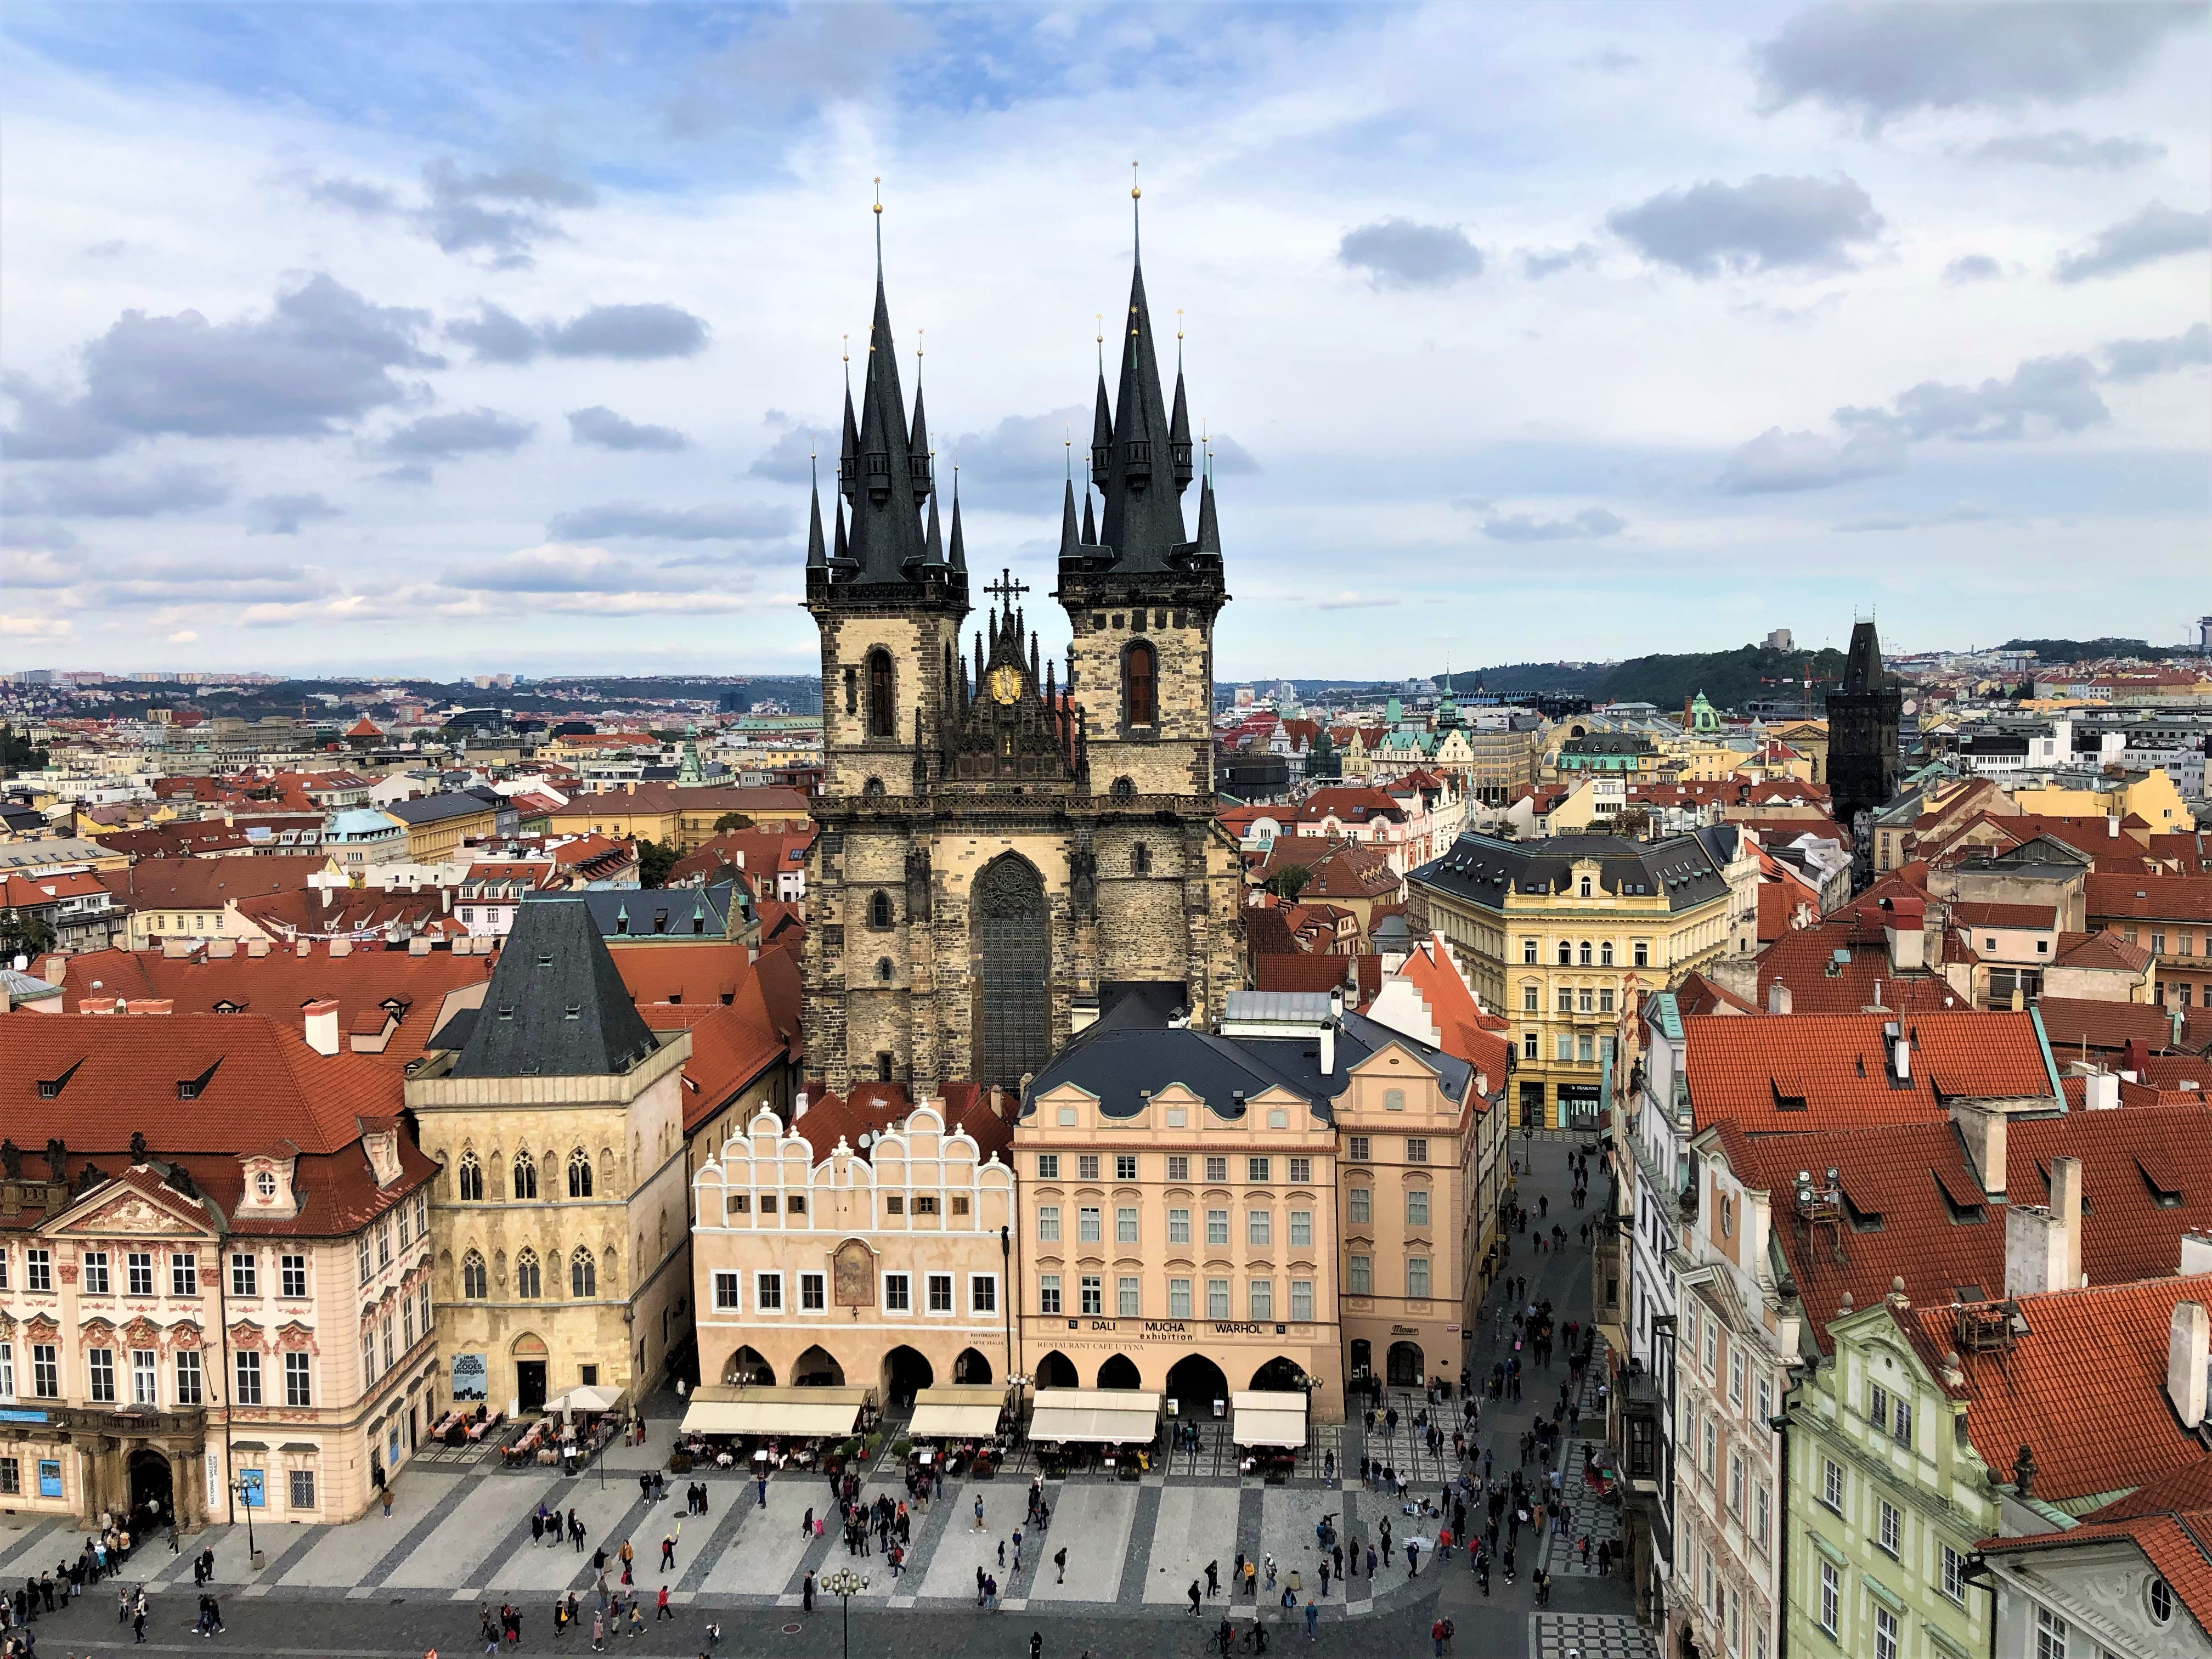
(1863, 718)
(999, 854)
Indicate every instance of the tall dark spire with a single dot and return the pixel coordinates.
(1209, 527)
(1179, 428)
(1071, 543)
(918, 440)
(933, 543)
(841, 553)
(818, 557)
(959, 548)
(1090, 526)
(1862, 670)
(1142, 523)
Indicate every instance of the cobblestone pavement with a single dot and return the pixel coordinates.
(1590, 1636)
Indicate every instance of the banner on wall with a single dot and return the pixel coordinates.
(251, 1489)
(50, 1477)
(470, 1377)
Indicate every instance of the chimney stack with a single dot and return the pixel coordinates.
(2100, 1091)
(322, 1027)
(1777, 998)
(2111, 826)
(2043, 1244)
(1982, 1129)
(1328, 1038)
(2188, 1351)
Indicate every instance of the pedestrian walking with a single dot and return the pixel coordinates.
(978, 1527)
(660, 1609)
(1313, 1620)
(807, 1592)
(599, 1633)
(1193, 1598)
(1059, 1561)
(668, 1547)
(1213, 1579)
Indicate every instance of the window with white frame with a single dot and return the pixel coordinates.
(1417, 1206)
(1735, 1483)
(138, 1271)
(1417, 1277)
(1260, 1299)
(1259, 1229)
(1762, 1506)
(144, 1387)
(1125, 1224)
(1178, 1226)
(1359, 1275)
(725, 1290)
(189, 1390)
(46, 1371)
(1178, 1298)
(94, 1265)
(291, 1276)
(1217, 1298)
(247, 1389)
(768, 1292)
(983, 1293)
(1086, 1166)
(1048, 1293)
(1302, 1230)
(1889, 1535)
(1832, 1597)
(101, 1367)
(1885, 1633)
(1831, 1484)
(2051, 1634)
(1087, 1224)
(39, 1272)
(1217, 1169)
(298, 1389)
(1048, 1224)
(1301, 1300)
(1093, 1291)
(898, 1293)
(1955, 1575)
(938, 1287)
(1216, 1227)
(1736, 1376)
(1126, 1296)
(1359, 1205)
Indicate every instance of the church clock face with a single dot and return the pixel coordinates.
(1006, 682)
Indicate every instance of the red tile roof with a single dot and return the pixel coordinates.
(2177, 1546)
(2146, 1178)
(2078, 1025)
(2033, 1395)
(2150, 898)
(687, 974)
(189, 883)
(281, 984)
(1755, 1070)
(258, 1082)
(2187, 853)
(1297, 971)
(1901, 1219)
(2105, 949)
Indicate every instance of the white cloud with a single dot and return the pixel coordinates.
(183, 637)
(35, 628)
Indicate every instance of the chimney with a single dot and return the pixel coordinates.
(798, 1106)
(2066, 1210)
(2100, 1091)
(2111, 826)
(1900, 1049)
(322, 1027)
(1982, 1129)
(2188, 1351)
(150, 1005)
(341, 947)
(256, 947)
(1777, 998)
(1328, 1038)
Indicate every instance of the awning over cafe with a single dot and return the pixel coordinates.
(961, 1411)
(1266, 1418)
(798, 1411)
(1094, 1416)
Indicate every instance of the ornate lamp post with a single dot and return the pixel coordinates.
(845, 1584)
(246, 1493)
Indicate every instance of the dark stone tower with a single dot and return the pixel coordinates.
(982, 876)
(1863, 723)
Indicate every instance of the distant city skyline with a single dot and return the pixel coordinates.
(350, 340)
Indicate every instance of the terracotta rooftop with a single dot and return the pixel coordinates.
(2032, 1396)
(2079, 1025)
(1296, 971)
(2146, 1179)
(2104, 950)
(1796, 1073)
(2150, 898)
(1974, 913)
(1912, 1210)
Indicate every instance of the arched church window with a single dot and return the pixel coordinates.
(472, 1276)
(883, 718)
(1140, 685)
(580, 1174)
(879, 909)
(469, 1179)
(873, 789)
(526, 1175)
(882, 971)
(1125, 789)
(1140, 859)
(527, 1283)
(583, 1275)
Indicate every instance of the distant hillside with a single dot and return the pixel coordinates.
(1729, 679)
(2094, 650)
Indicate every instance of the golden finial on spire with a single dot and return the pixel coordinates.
(848, 346)
(879, 192)
(1135, 192)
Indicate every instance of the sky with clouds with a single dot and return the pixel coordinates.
(453, 339)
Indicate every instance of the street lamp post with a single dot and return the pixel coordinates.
(845, 1584)
(243, 1489)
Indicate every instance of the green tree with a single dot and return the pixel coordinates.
(655, 859)
(729, 821)
(24, 934)
(1287, 882)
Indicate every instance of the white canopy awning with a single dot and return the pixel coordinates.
(585, 1397)
(1094, 1416)
(961, 1411)
(790, 1411)
(1265, 1418)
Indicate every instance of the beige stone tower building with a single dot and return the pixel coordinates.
(1000, 851)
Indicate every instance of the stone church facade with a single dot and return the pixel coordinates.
(1000, 851)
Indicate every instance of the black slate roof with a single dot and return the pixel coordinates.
(435, 809)
(1118, 1065)
(556, 1007)
(1482, 869)
(677, 912)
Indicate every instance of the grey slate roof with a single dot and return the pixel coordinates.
(1483, 870)
(556, 1007)
(435, 809)
(1117, 1065)
(643, 911)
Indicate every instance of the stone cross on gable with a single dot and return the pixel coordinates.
(1006, 588)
